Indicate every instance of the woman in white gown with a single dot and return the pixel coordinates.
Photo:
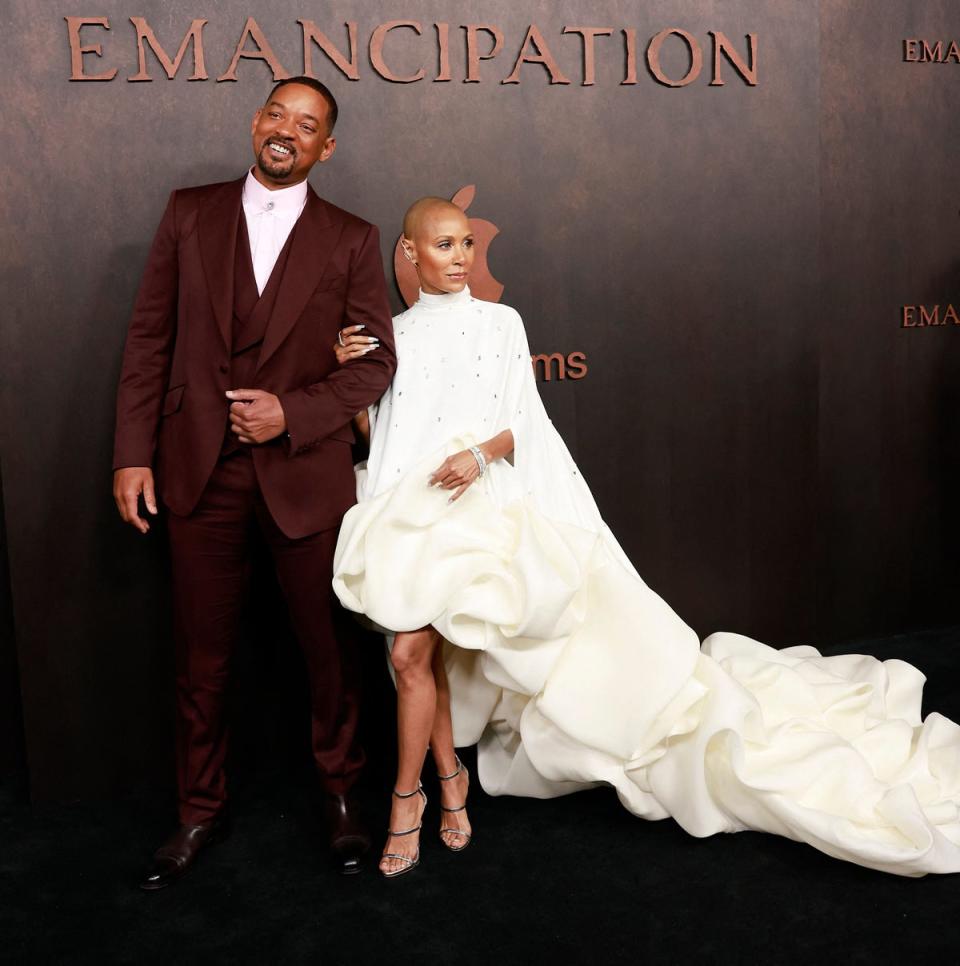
(495, 566)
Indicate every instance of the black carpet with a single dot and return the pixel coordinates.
(570, 880)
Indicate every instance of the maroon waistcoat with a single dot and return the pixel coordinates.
(251, 315)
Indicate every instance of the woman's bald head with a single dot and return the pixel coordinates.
(424, 214)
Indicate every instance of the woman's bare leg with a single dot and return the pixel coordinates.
(453, 793)
(412, 659)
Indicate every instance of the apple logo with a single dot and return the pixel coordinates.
(482, 284)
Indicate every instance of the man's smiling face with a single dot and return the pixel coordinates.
(290, 135)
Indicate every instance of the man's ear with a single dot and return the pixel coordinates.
(329, 146)
(256, 118)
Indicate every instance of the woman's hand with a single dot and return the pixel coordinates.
(350, 345)
(456, 472)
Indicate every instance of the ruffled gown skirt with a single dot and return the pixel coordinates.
(568, 671)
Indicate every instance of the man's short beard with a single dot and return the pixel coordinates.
(272, 169)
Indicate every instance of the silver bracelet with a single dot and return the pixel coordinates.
(478, 456)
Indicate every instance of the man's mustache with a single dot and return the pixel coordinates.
(284, 144)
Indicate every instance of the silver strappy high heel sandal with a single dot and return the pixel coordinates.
(459, 808)
(415, 861)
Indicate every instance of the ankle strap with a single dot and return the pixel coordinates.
(446, 778)
(416, 791)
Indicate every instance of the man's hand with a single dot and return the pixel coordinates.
(128, 484)
(256, 416)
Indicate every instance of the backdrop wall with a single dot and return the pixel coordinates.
(889, 421)
(11, 720)
(774, 448)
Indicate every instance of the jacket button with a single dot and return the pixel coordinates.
(224, 369)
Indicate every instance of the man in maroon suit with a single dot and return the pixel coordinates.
(230, 392)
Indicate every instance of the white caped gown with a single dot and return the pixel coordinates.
(569, 671)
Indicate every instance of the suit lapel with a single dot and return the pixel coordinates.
(315, 236)
(217, 227)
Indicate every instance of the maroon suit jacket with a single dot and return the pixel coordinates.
(171, 408)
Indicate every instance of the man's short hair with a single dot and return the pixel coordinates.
(321, 89)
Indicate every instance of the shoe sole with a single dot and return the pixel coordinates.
(404, 871)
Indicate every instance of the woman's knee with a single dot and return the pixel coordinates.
(411, 656)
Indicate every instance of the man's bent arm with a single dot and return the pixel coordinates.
(314, 412)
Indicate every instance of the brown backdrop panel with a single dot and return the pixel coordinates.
(670, 234)
(12, 759)
(890, 397)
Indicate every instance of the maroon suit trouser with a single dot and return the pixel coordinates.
(210, 552)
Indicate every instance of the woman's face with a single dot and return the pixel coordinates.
(442, 249)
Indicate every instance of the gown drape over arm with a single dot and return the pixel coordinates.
(569, 671)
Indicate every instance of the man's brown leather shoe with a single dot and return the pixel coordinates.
(349, 838)
(175, 857)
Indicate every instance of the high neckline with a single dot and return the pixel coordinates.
(446, 300)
